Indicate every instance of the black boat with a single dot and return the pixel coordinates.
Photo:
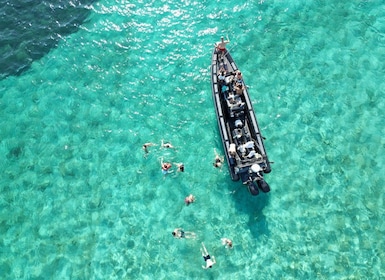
(241, 137)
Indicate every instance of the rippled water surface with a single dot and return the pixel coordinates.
(85, 84)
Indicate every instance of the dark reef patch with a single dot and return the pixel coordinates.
(29, 29)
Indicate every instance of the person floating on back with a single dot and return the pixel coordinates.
(210, 260)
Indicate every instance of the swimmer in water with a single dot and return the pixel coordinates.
(210, 260)
(218, 159)
(189, 199)
(165, 167)
(180, 167)
(166, 145)
(146, 145)
(180, 233)
(227, 242)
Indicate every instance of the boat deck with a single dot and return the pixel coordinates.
(241, 136)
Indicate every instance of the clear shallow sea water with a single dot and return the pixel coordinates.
(79, 200)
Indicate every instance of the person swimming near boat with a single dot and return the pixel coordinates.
(146, 145)
(180, 167)
(217, 163)
(227, 242)
(180, 233)
(218, 160)
(210, 260)
(165, 167)
(166, 145)
(189, 199)
(221, 46)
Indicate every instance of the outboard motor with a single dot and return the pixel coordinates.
(253, 189)
(258, 177)
(263, 186)
(247, 179)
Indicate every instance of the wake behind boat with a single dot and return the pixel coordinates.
(241, 137)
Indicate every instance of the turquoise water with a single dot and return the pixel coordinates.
(80, 200)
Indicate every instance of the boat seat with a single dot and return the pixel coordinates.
(221, 81)
(246, 133)
(238, 107)
(251, 154)
(258, 158)
(242, 149)
(229, 103)
(232, 150)
(232, 100)
(224, 88)
(238, 123)
(247, 148)
(223, 65)
(249, 145)
(229, 79)
(237, 133)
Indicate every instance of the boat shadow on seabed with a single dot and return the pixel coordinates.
(253, 206)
